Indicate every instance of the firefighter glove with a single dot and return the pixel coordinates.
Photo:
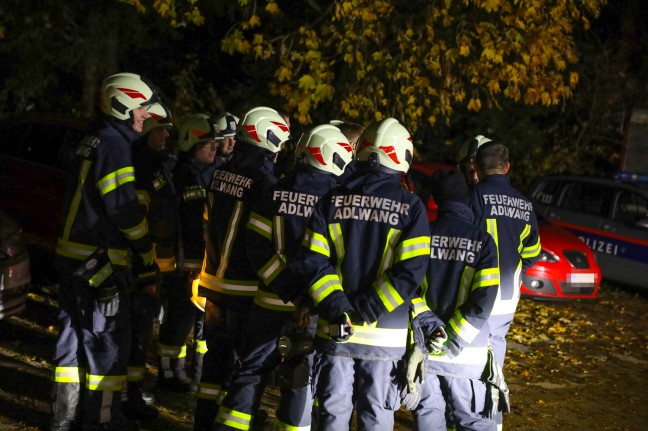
(437, 340)
(497, 392)
(414, 371)
(341, 328)
(108, 300)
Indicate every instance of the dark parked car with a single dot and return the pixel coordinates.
(609, 214)
(14, 268)
(34, 153)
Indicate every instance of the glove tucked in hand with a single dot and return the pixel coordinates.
(341, 328)
(497, 392)
(108, 300)
(414, 371)
(436, 342)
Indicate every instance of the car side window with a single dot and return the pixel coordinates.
(630, 207)
(547, 192)
(592, 199)
(41, 143)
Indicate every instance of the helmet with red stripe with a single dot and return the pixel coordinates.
(123, 92)
(386, 144)
(325, 148)
(265, 128)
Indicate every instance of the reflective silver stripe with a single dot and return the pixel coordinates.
(68, 375)
(193, 194)
(168, 351)
(279, 235)
(260, 225)
(388, 252)
(271, 301)
(468, 356)
(388, 293)
(104, 383)
(231, 287)
(135, 374)
(463, 328)
(75, 250)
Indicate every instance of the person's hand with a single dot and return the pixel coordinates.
(302, 314)
(108, 300)
(414, 375)
(437, 341)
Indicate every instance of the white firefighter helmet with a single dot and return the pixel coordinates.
(227, 125)
(160, 116)
(198, 301)
(196, 129)
(468, 149)
(265, 128)
(124, 92)
(326, 148)
(386, 143)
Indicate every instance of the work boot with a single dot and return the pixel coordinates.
(180, 382)
(136, 408)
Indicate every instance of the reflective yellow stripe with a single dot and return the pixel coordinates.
(531, 250)
(169, 351)
(201, 346)
(260, 225)
(230, 287)
(388, 293)
(115, 179)
(486, 277)
(230, 234)
(279, 230)
(192, 264)
(463, 328)
(233, 418)
(101, 275)
(368, 335)
(75, 250)
(388, 252)
(282, 426)
(68, 375)
(419, 306)
(104, 383)
(413, 247)
(135, 374)
(335, 231)
(136, 232)
(272, 302)
(74, 206)
(271, 269)
(324, 287)
(319, 244)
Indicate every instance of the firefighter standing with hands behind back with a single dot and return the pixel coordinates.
(368, 248)
(104, 229)
(228, 279)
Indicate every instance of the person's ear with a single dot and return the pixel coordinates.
(507, 167)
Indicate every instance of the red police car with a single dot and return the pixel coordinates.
(567, 268)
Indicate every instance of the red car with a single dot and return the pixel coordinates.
(567, 268)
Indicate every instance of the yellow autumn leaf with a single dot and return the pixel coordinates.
(272, 8)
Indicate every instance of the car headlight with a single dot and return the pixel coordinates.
(547, 256)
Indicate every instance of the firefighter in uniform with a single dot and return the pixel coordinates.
(104, 231)
(228, 279)
(460, 287)
(226, 138)
(197, 141)
(278, 222)
(368, 247)
(508, 216)
(156, 194)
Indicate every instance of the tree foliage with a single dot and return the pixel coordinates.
(416, 60)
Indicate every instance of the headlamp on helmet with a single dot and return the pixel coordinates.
(386, 144)
(325, 148)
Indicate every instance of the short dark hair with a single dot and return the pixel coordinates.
(492, 156)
